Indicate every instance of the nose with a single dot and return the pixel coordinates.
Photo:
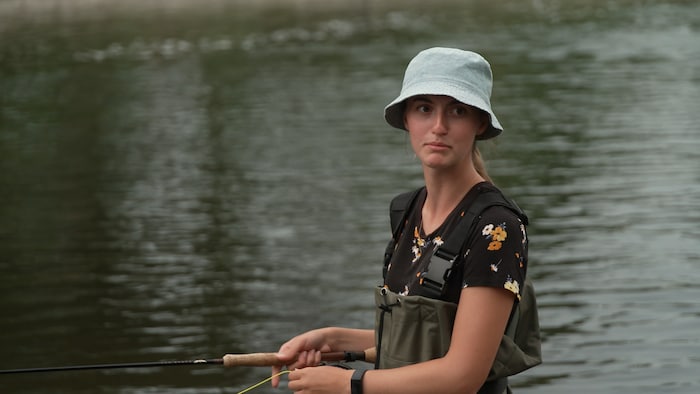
(439, 125)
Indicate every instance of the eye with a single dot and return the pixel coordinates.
(422, 108)
(460, 110)
(419, 106)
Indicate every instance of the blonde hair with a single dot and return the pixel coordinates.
(479, 164)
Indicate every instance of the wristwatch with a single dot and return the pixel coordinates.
(356, 381)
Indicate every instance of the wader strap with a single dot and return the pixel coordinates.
(446, 255)
(385, 307)
(399, 210)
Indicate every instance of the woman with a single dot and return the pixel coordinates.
(444, 105)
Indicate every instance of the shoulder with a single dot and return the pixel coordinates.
(500, 213)
(400, 207)
(500, 221)
(403, 200)
(492, 203)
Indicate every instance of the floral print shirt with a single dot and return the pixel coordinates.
(495, 257)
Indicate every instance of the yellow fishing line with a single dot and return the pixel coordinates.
(256, 385)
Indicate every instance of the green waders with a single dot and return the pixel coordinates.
(412, 329)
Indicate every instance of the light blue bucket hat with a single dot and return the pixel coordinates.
(463, 75)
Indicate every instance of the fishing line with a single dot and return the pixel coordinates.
(256, 385)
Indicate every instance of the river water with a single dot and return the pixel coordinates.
(183, 179)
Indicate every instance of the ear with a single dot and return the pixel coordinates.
(403, 115)
(485, 123)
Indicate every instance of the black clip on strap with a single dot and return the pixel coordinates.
(442, 261)
(439, 270)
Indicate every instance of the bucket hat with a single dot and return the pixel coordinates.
(463, 75)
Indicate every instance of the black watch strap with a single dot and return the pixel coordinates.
(356, 381)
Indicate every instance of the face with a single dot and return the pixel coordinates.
(443, 130)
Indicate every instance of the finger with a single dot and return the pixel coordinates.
(309, 358)
(301, 360)
(293, 378)
(317, 358)
(275, 378)
(286, 353)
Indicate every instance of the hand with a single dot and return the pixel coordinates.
(301, 351)
(320, 380)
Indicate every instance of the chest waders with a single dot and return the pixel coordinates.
(412, 329)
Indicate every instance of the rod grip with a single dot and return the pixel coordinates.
(251, 360)
(270, 359)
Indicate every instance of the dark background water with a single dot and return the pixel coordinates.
(183, 179)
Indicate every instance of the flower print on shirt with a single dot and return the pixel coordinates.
(420, 243)
(494, 267)
(497, 256)
(512, 286)
(496, 234)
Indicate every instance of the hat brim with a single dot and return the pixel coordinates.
(394, 112)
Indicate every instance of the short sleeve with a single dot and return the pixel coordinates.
(497, 256)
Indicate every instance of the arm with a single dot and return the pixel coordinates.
(481, 319)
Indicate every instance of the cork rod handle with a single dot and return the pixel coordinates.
(270, 359)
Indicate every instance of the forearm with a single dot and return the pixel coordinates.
(434, 376)
(348, 339)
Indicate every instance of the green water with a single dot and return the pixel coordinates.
(185, 179)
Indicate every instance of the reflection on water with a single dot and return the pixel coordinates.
(182, 182)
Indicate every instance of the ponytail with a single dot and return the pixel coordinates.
(477, 159)
(479, 164)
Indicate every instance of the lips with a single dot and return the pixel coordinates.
(437, 145)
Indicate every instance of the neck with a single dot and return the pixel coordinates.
(444, 194)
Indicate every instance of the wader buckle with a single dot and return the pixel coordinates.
(438, 271)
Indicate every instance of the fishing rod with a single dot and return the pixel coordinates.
(228, 360)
